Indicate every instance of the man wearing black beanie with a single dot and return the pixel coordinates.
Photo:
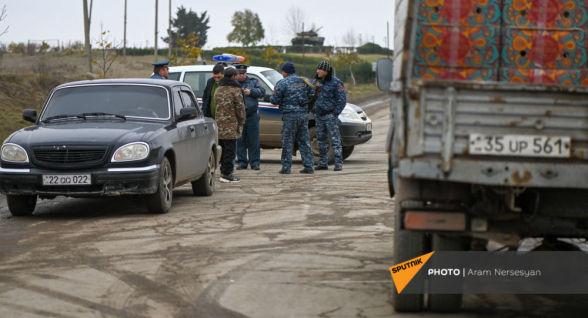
(329, 104)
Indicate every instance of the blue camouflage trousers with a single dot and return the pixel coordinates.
(295, 126)
(327, 124)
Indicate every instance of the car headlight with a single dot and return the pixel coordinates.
(133, 151)
(349, 116)
(14, 153)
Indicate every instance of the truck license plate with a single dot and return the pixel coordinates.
(368, 127)
(520, 145)
(67, 179)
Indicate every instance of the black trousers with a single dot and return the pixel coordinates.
(227, 156)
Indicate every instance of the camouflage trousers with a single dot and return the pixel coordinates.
(295, 127)
(327, 125)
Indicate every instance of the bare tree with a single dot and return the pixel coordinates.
(349, 39)
(106, 52)
(87, 21)
(2, 17)
(295, 17)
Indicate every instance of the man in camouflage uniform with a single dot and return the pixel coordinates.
(330, 103)
(291, 94)
(230, 118)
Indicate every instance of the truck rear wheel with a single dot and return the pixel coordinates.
(407, 245)
(447, 302)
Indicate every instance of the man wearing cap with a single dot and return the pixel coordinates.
(230, 118)
(160, 70)
(249, 141)
(329, 104)
(291, 94)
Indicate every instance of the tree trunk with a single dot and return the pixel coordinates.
(87, 18)
(352, 77)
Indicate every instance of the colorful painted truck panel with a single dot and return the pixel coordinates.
(562, 14)
(517, 41)
(460, 12)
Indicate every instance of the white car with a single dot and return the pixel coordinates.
(354, 125)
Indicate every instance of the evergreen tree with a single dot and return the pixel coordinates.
(188, 22)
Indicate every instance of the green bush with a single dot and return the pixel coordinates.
(372, 48)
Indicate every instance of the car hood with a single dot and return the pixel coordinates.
(87, 133)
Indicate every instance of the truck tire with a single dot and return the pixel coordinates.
(21, 205)
(205, 185)
(160, 202)
(407, 245)
(447, 302)
(315, 149)
(347, 151)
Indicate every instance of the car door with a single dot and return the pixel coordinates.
(183, 146)
(200, 141)
(270, 118)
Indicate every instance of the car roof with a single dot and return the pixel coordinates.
(192, 68)
(119, 81)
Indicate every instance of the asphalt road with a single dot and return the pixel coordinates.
(270, 246)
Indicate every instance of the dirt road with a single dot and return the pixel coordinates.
(270, 246)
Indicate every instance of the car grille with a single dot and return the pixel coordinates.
(59, 156)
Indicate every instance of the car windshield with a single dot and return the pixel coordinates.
(123, 100)
(273, 76)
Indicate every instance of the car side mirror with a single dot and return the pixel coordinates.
(384, 71)
(187, 113)
(266, 98)
(30, 115)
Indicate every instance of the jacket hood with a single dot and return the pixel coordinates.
(228, 82)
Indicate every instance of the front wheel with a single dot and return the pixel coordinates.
(160, 202)
(347, 151)
(21, 205)
(205, 185)
(315, 148)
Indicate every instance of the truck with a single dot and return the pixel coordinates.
(488, 138)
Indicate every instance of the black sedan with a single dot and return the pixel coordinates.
(111, 138)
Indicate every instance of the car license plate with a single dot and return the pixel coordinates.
(520, 145)
(67, 179)
(368, 127)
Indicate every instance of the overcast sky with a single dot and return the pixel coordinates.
(63, 19)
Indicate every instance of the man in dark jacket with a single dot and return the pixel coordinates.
(230, 118)
(208, 106)
(330, 103)
(249, 142)
(291, 94)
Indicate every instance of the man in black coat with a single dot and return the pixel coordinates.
(208, 107)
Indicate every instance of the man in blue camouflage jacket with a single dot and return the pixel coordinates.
(291, 94)
(248, 145)
(330, 103)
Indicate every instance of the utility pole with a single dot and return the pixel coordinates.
(125, 35)
(87, 21)
(388, 39)
(303, 65)
(169, 39)
(155, 45)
